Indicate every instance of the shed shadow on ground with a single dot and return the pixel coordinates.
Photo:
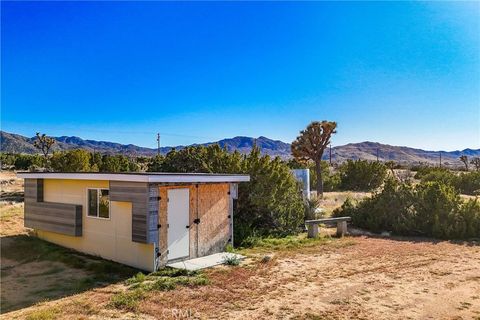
(33, 270)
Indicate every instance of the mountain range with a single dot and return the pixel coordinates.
(15, 143)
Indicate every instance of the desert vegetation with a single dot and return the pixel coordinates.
(353, 277)
(432, 208)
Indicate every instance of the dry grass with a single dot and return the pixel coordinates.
(333, 200)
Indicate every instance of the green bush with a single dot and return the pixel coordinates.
(231, 260)
(435, 174)
(270, 204)
(71, 161)
(465, 182)
(21, 161)
(362, 175)
(468, 183)
(117, 163)
(430, 209)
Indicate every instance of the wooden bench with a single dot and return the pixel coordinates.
(312, 225)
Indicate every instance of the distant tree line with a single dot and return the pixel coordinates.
(271, 203)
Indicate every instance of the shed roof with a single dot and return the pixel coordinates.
(153, 177)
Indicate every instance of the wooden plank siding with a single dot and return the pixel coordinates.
(50, 216)
(143, 197)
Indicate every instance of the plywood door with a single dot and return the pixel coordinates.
(178, 223)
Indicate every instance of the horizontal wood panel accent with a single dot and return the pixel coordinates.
(55, 217)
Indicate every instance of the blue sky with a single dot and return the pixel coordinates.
(402, 73)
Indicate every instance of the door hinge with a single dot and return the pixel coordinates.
(188, 227)
(159, 226)
(196, 221)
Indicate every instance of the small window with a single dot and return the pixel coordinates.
(98, 203)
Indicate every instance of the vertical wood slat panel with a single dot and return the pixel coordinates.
(144, 208)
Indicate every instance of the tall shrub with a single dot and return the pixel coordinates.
(71, 161)
(362, 175)
(270, 203)
(432, 209)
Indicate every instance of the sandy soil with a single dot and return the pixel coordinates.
(24, 284)
(352, 278)
(11, 204)
(371, 279)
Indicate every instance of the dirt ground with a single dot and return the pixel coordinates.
(351, 278)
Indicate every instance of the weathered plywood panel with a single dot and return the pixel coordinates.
(208, 202)
(213, 210)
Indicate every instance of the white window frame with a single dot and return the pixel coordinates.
(87, 206)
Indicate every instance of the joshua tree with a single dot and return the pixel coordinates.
(476, 163)
(464, 159)
(310, 145)
(44, 143)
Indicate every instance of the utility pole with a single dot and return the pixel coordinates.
(440, 158)
(330, 156)
(377, 154)
(158, 143)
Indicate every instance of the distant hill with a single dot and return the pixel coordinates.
(11, 142)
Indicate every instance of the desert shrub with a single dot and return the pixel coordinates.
(430, 209)
(468, 183)
(464, 182)
(25, 161)
(361, 175)
(332, 182)
(162, 280)
(312, 207)
(71, 161)
(231, 260)
(128, 300)
(118, 163)
(270, 204)
(8, 160)
(442, 175)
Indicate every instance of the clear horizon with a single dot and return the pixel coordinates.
(401, 73)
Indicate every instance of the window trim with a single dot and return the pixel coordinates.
(87, 206)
